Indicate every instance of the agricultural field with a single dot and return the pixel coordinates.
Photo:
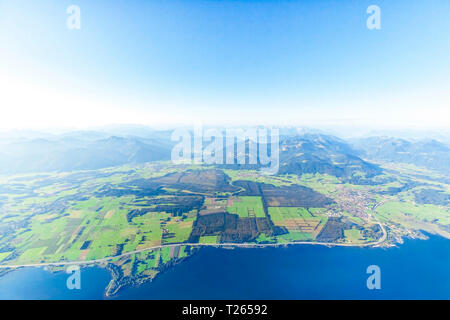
(139, 220)
(246, 207)
(353, 235)
(297, 219)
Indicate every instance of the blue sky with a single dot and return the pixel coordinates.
(225, 62)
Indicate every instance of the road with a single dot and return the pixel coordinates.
(243, 245)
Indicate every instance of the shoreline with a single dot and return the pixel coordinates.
(107, 294)
(218, 245)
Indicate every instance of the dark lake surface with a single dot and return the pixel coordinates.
(418, 269)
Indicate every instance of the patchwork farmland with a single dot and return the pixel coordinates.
(115, 213)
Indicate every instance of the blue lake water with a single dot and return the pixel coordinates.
(417, 269)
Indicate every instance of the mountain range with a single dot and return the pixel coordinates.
(301, 151)
(428, 153)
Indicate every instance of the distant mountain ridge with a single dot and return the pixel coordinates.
(430, 154)
(320, 153)
(301, 151)
(67, 154)
(311, 153)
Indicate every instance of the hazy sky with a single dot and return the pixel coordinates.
(225, 62)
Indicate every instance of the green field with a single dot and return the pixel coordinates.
(247, 206)
(104, 213)
(427, 213)
(295, 236)
(3, 255)
(283, 213)
(353, 235)
(208, 239)
(303, 224)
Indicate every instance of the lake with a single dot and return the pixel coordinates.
(418, 269)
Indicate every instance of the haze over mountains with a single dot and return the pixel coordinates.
(430, 154)
(79, 151)
(301, 151)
